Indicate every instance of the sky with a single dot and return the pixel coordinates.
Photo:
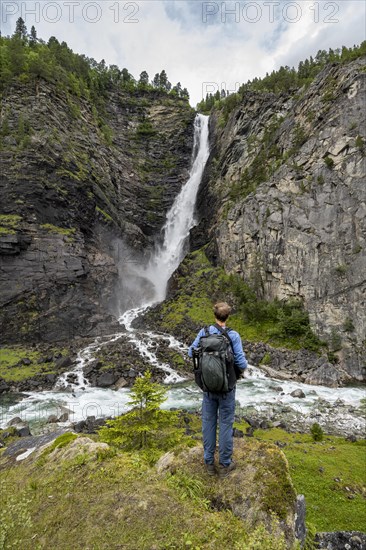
(204, 45)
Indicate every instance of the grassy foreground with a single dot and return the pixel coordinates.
(91, 497)
(98, 497)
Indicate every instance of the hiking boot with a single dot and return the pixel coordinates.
(210, 469)
(225, 470)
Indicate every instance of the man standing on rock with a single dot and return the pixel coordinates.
(220, 405)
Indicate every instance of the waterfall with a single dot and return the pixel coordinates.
(180, 218)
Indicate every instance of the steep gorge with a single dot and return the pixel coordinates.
(283, 202)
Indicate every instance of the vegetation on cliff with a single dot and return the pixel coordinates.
(26, 58)
(196, 286)
(282, 80)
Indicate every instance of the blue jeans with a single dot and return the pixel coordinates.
(221, 407)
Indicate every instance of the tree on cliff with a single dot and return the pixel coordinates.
(20, 29)
(33, 36)
(143, 80)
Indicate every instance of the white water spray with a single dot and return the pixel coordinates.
(180, 218)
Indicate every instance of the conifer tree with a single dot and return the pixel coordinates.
(146, 426)
(33, 36)
(143, 80)
(20, 28)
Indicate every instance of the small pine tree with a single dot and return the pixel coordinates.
(146, 426)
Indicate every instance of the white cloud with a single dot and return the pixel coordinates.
(173, 36)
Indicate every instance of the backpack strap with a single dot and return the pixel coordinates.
(225, 332)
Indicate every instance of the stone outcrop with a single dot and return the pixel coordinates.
(284, 203)
(258, 491)
(81, 194)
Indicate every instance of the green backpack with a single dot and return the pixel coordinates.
(214, 362)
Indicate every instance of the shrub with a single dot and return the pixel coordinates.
(329, 162)
(316, 432)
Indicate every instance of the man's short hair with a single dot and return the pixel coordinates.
(222, 311)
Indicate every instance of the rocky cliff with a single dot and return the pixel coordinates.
(80, 195)
(284, 202)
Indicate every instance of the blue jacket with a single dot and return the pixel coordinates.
(239, 356)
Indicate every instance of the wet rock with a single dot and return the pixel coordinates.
(15, 421)
(26, 361)
(298, 393)
(64, 417)
(52, 419)
(121, 383)
(132, 373)
(63, 362)
(23, 431)
(4, 387)
(106, 379)
(51, 378)
(90, 425)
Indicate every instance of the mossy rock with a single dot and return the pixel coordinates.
(259, 491)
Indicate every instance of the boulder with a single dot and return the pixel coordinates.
(23, 431)
(258, 490)
(106, 379)
(15, 421)
(64, 417)
(121, 383)
(298, 393)
(327, 375)
(63, 362)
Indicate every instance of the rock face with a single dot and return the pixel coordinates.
(79, 198)
(284, 203)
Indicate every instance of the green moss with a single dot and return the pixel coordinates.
(9, 223)
(266, 359)
(59, 443)
(59, 230)
(329, 162)
(104, 214)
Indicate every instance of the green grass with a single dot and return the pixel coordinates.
(117, 502)
(10, 356)
(314, 468)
